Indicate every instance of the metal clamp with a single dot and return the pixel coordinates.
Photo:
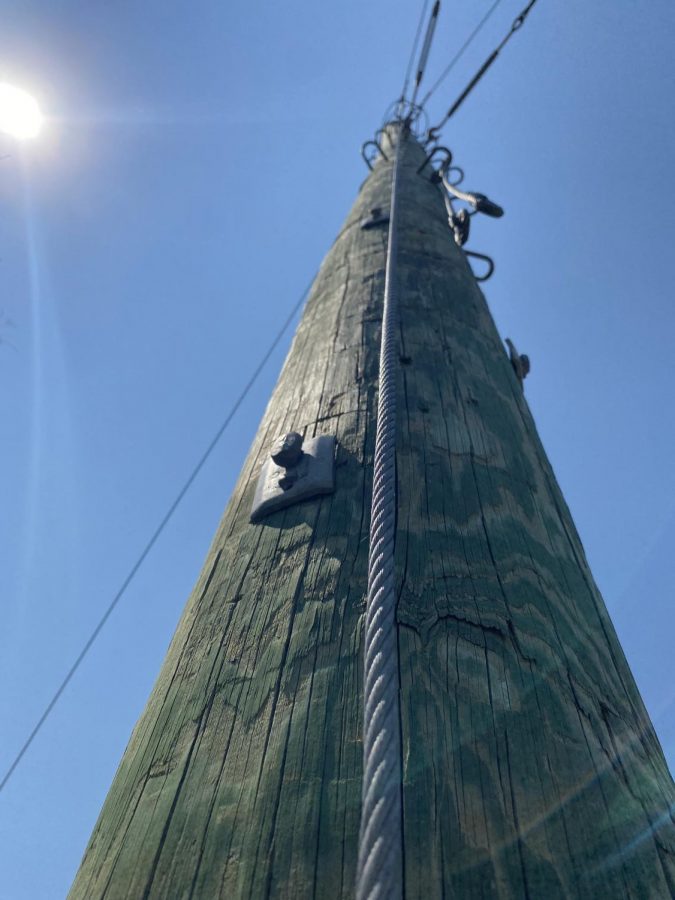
(460, 222)
(378, 216)
(294, 472)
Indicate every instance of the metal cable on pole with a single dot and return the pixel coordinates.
(379, 872)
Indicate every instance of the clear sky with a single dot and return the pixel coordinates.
(197, 162)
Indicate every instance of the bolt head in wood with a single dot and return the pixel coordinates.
(287, 449)
(377, 216)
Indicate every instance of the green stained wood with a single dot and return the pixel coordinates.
(531, 769)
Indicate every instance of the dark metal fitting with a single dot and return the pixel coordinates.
(288, 480)
(367, 159)
(486, 259)
(460, 176)
(486, 206)
(378, 135)
(296, 470)
(377, 216)
(430, 156)
(461, 224)
(519, 361)
(287, 449)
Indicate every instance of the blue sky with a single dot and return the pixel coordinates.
(196, 165)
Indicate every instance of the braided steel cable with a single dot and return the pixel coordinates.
(379, 872)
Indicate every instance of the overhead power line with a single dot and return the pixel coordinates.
(153, 540)
(518, 22)
(408, 71)
(455, 59)
(426, 47)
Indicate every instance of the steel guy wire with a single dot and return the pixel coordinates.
(455, 59)
(380, 861)
(153, 539)
(518, 22)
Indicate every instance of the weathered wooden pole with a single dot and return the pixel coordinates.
(530, 766)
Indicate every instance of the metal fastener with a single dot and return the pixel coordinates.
(287, 449)
(295, 470)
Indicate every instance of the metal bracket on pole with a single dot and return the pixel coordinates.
(377, 217)
(294, 472)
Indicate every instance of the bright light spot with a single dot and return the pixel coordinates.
(20, 115)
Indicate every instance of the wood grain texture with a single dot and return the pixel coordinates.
(531, 769)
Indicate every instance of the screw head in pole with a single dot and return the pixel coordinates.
(287, 449)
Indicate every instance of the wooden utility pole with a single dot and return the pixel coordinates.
(530, 766)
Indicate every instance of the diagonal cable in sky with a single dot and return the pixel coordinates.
(153, 539)
(455, 59)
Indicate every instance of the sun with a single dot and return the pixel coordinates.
(20, 115)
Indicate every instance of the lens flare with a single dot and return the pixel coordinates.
(20, 115)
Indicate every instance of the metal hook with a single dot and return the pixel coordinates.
(486, 259)
(445, 165)
(380, 131)
(379, 150)
(460, 177)
(432, 135)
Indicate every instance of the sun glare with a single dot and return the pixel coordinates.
(20, 115)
